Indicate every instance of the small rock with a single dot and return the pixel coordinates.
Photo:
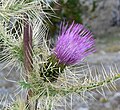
(82, 108)
(116, 98)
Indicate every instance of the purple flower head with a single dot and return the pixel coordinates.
(74, 44)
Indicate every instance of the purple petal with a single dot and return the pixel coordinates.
(74, 44)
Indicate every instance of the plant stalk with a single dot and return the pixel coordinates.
(27, 44)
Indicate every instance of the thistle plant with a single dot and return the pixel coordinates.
(54, 73)
(58, 74)
(73, 45)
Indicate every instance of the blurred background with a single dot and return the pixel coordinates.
(102, 17)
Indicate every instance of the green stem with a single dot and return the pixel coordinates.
(92, 86)
(88, 87)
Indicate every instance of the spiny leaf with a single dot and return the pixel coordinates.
(24, 85)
